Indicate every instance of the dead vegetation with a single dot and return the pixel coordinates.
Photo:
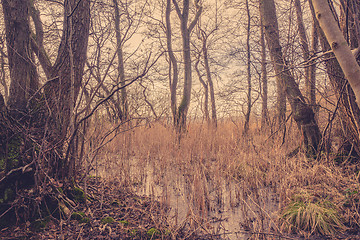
(218, 171)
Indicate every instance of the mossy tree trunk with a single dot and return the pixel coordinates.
(34, 125)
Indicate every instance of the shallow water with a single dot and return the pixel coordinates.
(218, 205)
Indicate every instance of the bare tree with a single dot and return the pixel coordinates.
(121, 68)
(264, 106)
(186, 30)
(302, 113)
(248, 69)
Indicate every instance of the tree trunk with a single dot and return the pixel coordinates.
(174, 75)
(24, 80)
(2, 69)
(339, 45)
(349, 110)
(185, 34)
(311, 84)
(302, 113)
(121, 68)
(310, 94)
(206, 90)
(248, 69)
(209, 80)
(264, 108)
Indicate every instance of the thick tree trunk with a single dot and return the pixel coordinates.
(311, 84)
(272, 39)
(302, 113)
(58, 92)
(349, 110)
(24, 80)
(310, 88)
(339, 45)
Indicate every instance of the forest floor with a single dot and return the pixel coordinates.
(110, 213)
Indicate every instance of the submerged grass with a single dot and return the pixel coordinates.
(214, 168)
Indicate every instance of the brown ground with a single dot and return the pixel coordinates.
(134, 217)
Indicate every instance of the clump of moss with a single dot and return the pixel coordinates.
(153, 232)
(78, 195)
(80, 217)
(320, 217)
(106, 220)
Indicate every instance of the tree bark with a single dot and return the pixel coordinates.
(272, 39)
(206, 90)
(349, 110)
(60, 93)
(310, 93)
(24, 79)
(302, 113)
(173, 65)
(185, 33)
(121, 68)
(339, 45)
(264, 108)
(248, 69)
(209, 79)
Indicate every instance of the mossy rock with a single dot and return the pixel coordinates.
(153, 232)
(107, 220)
(78, 195)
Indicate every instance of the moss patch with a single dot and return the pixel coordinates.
(153, 232)
(106, 220)
(80, 217)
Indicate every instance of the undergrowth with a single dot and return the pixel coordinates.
(213, 168)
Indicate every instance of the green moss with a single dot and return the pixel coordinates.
(106, 220)
(80, 217)
(13, 154)
(153, 232)
(8, 195)
(78, 195)
(124, 222)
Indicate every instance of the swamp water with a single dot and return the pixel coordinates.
(203, 200)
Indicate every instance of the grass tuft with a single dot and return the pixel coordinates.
(320, 217)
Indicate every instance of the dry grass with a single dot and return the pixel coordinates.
(218, 170)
